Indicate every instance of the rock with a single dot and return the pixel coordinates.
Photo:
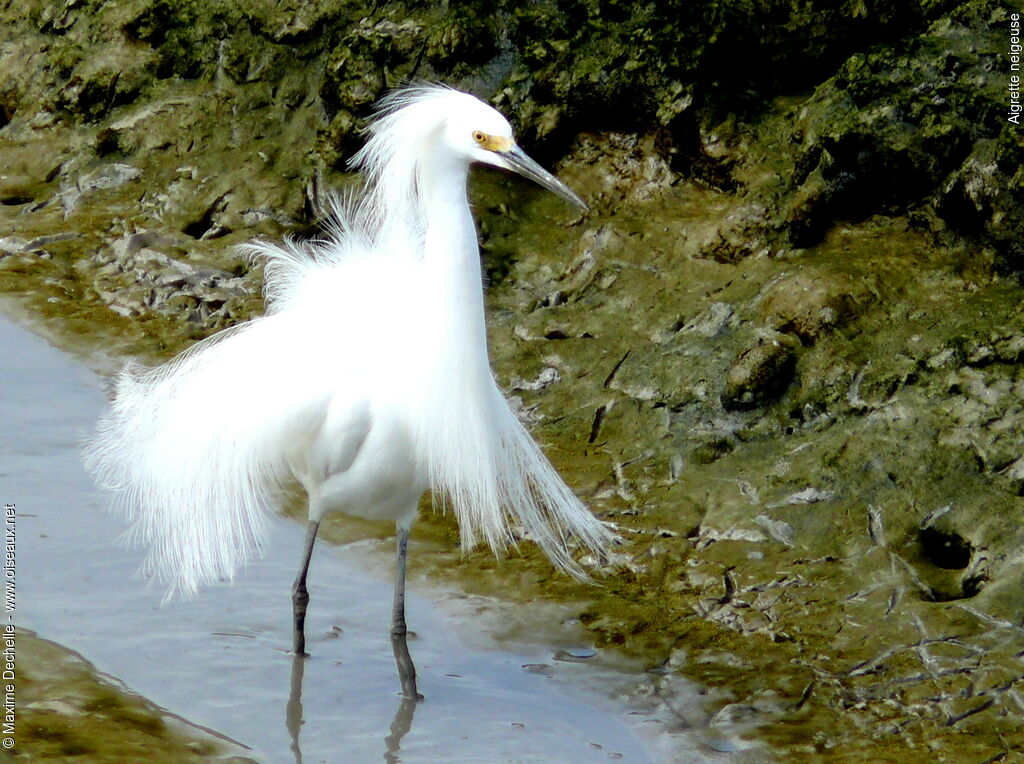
(813, 302)
(985, 196)
(712, 322)
(761, 372)
(104, 177)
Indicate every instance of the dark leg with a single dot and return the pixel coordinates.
(300, 596)
(406, 669)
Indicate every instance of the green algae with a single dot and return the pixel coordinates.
(67, 710)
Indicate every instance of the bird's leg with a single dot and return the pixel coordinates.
(406, 669)
(300, 596)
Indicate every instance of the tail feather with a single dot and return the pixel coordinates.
(496, 477)
(552, 514)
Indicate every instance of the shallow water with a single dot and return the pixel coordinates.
(220, 660)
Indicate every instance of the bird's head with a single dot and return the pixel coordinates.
(481, 134)
(410, 121)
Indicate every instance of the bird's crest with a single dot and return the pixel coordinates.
(401, 125)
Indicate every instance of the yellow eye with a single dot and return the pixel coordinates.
(479, 137)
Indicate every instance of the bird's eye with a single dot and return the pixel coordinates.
(479, 137)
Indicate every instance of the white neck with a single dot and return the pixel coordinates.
(452, 265)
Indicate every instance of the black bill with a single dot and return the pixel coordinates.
(519, 162)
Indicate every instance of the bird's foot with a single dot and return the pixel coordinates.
(409, 692)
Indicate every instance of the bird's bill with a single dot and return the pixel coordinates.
(517, 161)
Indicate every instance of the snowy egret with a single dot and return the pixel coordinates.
(368, 380)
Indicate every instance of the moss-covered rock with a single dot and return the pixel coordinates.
(917, 127)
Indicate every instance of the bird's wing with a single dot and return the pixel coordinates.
(332, 445)
(195, 450)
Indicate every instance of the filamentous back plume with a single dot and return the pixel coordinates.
(367, 380)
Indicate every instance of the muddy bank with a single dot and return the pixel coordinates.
(783, 353)
(67, 710)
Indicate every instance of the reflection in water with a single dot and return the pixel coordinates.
(402, 724)
(293, 711)
(293, 720)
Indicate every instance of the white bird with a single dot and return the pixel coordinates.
(367, 380)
